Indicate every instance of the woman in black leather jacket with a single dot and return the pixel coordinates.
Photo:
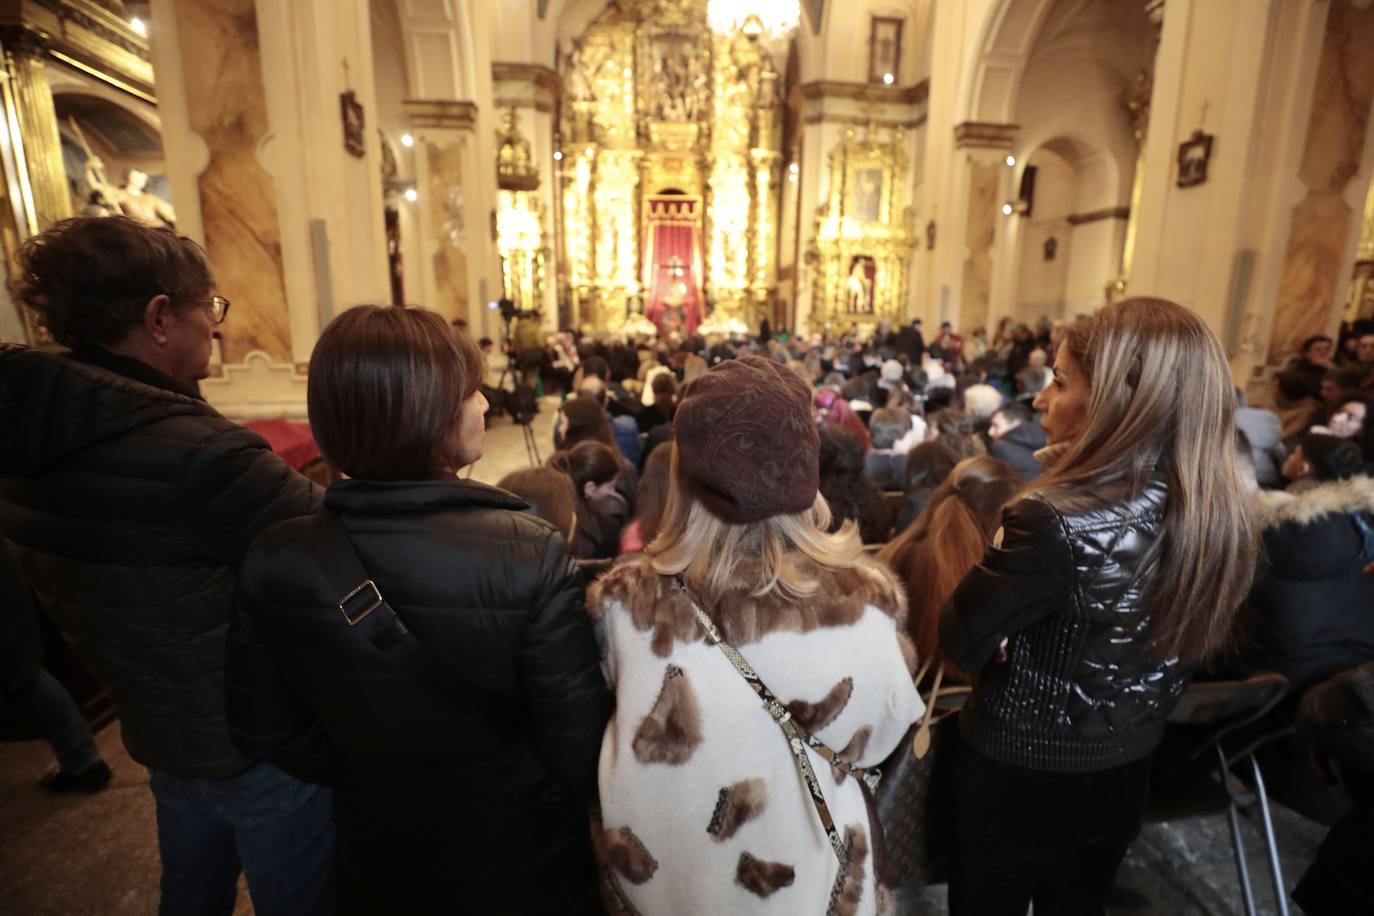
(460, 723)
(1119, 570)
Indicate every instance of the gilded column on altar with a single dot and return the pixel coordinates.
(26, 73)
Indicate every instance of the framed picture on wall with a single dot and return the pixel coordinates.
(884, 49)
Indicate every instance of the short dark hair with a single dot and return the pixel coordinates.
(1314, 339)
(1331, 457)
(1345, 379)
(587, 462)
(385, 390)
(597, 366)
(89, 279)
(1015, 412)
(1294, 385)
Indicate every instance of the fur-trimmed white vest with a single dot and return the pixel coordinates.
(702, 805)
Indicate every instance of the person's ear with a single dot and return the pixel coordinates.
(589, 490)
(156, 315)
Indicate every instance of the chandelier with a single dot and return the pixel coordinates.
(771, 18)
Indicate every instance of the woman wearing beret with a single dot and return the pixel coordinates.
(1120, 569)
(711, 802)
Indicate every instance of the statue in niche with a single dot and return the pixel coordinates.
(514, 162)
(868, 195)
(859, 286)
(132, 199)
(768, 96)
(579, 85)
(678, 84)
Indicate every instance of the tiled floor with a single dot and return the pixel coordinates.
(97, 855)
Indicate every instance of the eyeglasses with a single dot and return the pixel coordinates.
(219, 308)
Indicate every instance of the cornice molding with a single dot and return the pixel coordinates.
(984, 135)
(867, 92)
(453, 114)
(545, 78)
(1092, 216)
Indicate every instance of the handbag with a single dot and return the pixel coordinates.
(906, 807)
(798, 738)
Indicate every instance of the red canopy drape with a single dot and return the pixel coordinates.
(672, 262)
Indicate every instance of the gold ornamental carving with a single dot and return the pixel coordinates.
(860, 257)
(655, 105)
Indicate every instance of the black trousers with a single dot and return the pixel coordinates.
(1055, 839)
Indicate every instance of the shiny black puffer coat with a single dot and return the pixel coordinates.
(127, 505)
(464, 793)
(1079, 690)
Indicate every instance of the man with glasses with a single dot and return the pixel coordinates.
(128, 503)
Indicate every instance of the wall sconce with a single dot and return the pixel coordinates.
(888, 79)
(1018, 207)
(1011, 162)
(407, 140)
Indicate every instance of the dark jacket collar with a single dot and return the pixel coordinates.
(135, 369)
(389, 497)
(64, 405)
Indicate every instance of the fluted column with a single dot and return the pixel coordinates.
(39, 140)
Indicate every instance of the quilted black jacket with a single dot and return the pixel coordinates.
(475, 789)
(1079, 690)
(127, 505)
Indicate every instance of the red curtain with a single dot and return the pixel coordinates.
(672, 263)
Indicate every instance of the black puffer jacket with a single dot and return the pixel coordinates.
(1079, 691)
(128, 506)
(469, 800)
(1312, 606)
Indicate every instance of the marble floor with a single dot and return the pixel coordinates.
(96, 855)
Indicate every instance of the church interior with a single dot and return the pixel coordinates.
(645, 169)
(708, 164)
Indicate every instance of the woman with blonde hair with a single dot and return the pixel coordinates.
(948, 539)
(1110, 579)
(714, 802)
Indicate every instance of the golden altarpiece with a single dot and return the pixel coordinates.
(671, 170)
(858, 261)
(519, 218)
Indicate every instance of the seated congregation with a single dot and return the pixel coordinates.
(667, 670)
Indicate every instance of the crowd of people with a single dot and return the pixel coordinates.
(661, 672)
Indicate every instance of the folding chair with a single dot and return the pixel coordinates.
(1214, 712)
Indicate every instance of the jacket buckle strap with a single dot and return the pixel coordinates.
(358, 604)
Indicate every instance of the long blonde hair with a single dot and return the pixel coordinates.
(709, 552)
(1162, 406)
(948, 539)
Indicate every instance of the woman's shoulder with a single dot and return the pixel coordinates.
(631, 580)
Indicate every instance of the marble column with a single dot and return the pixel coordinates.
(1312, 285)
(42, 144)
(444, 137)
(984, 148)
(226, 104)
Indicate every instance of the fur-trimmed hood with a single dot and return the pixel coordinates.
(655, 604)
(1342, 497)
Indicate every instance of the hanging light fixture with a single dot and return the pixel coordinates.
(756, 18)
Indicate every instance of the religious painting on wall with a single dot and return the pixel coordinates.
(352, 112)
(1193, 156)
(863, 271)
(866, 200)
(884, 49)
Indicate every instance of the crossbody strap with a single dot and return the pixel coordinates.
(369, 615)
(798, 738)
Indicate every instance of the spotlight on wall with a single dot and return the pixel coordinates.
(1008, 209)
(407, 140)
(558, 155)
(412, 195)
(1019, 207)
(794, 168)
(1011, 161)
(888, 79)
(139, 26)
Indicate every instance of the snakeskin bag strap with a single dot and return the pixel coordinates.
(798, 738)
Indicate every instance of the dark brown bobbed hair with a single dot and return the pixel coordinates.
(587, 462)
(928, 464)
(652, 496)
(1162, 406)
(550, 493)
(89, 279)
(385, 391)
(947, 540)
(587, 421)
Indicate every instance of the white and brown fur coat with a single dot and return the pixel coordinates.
(702, 805)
